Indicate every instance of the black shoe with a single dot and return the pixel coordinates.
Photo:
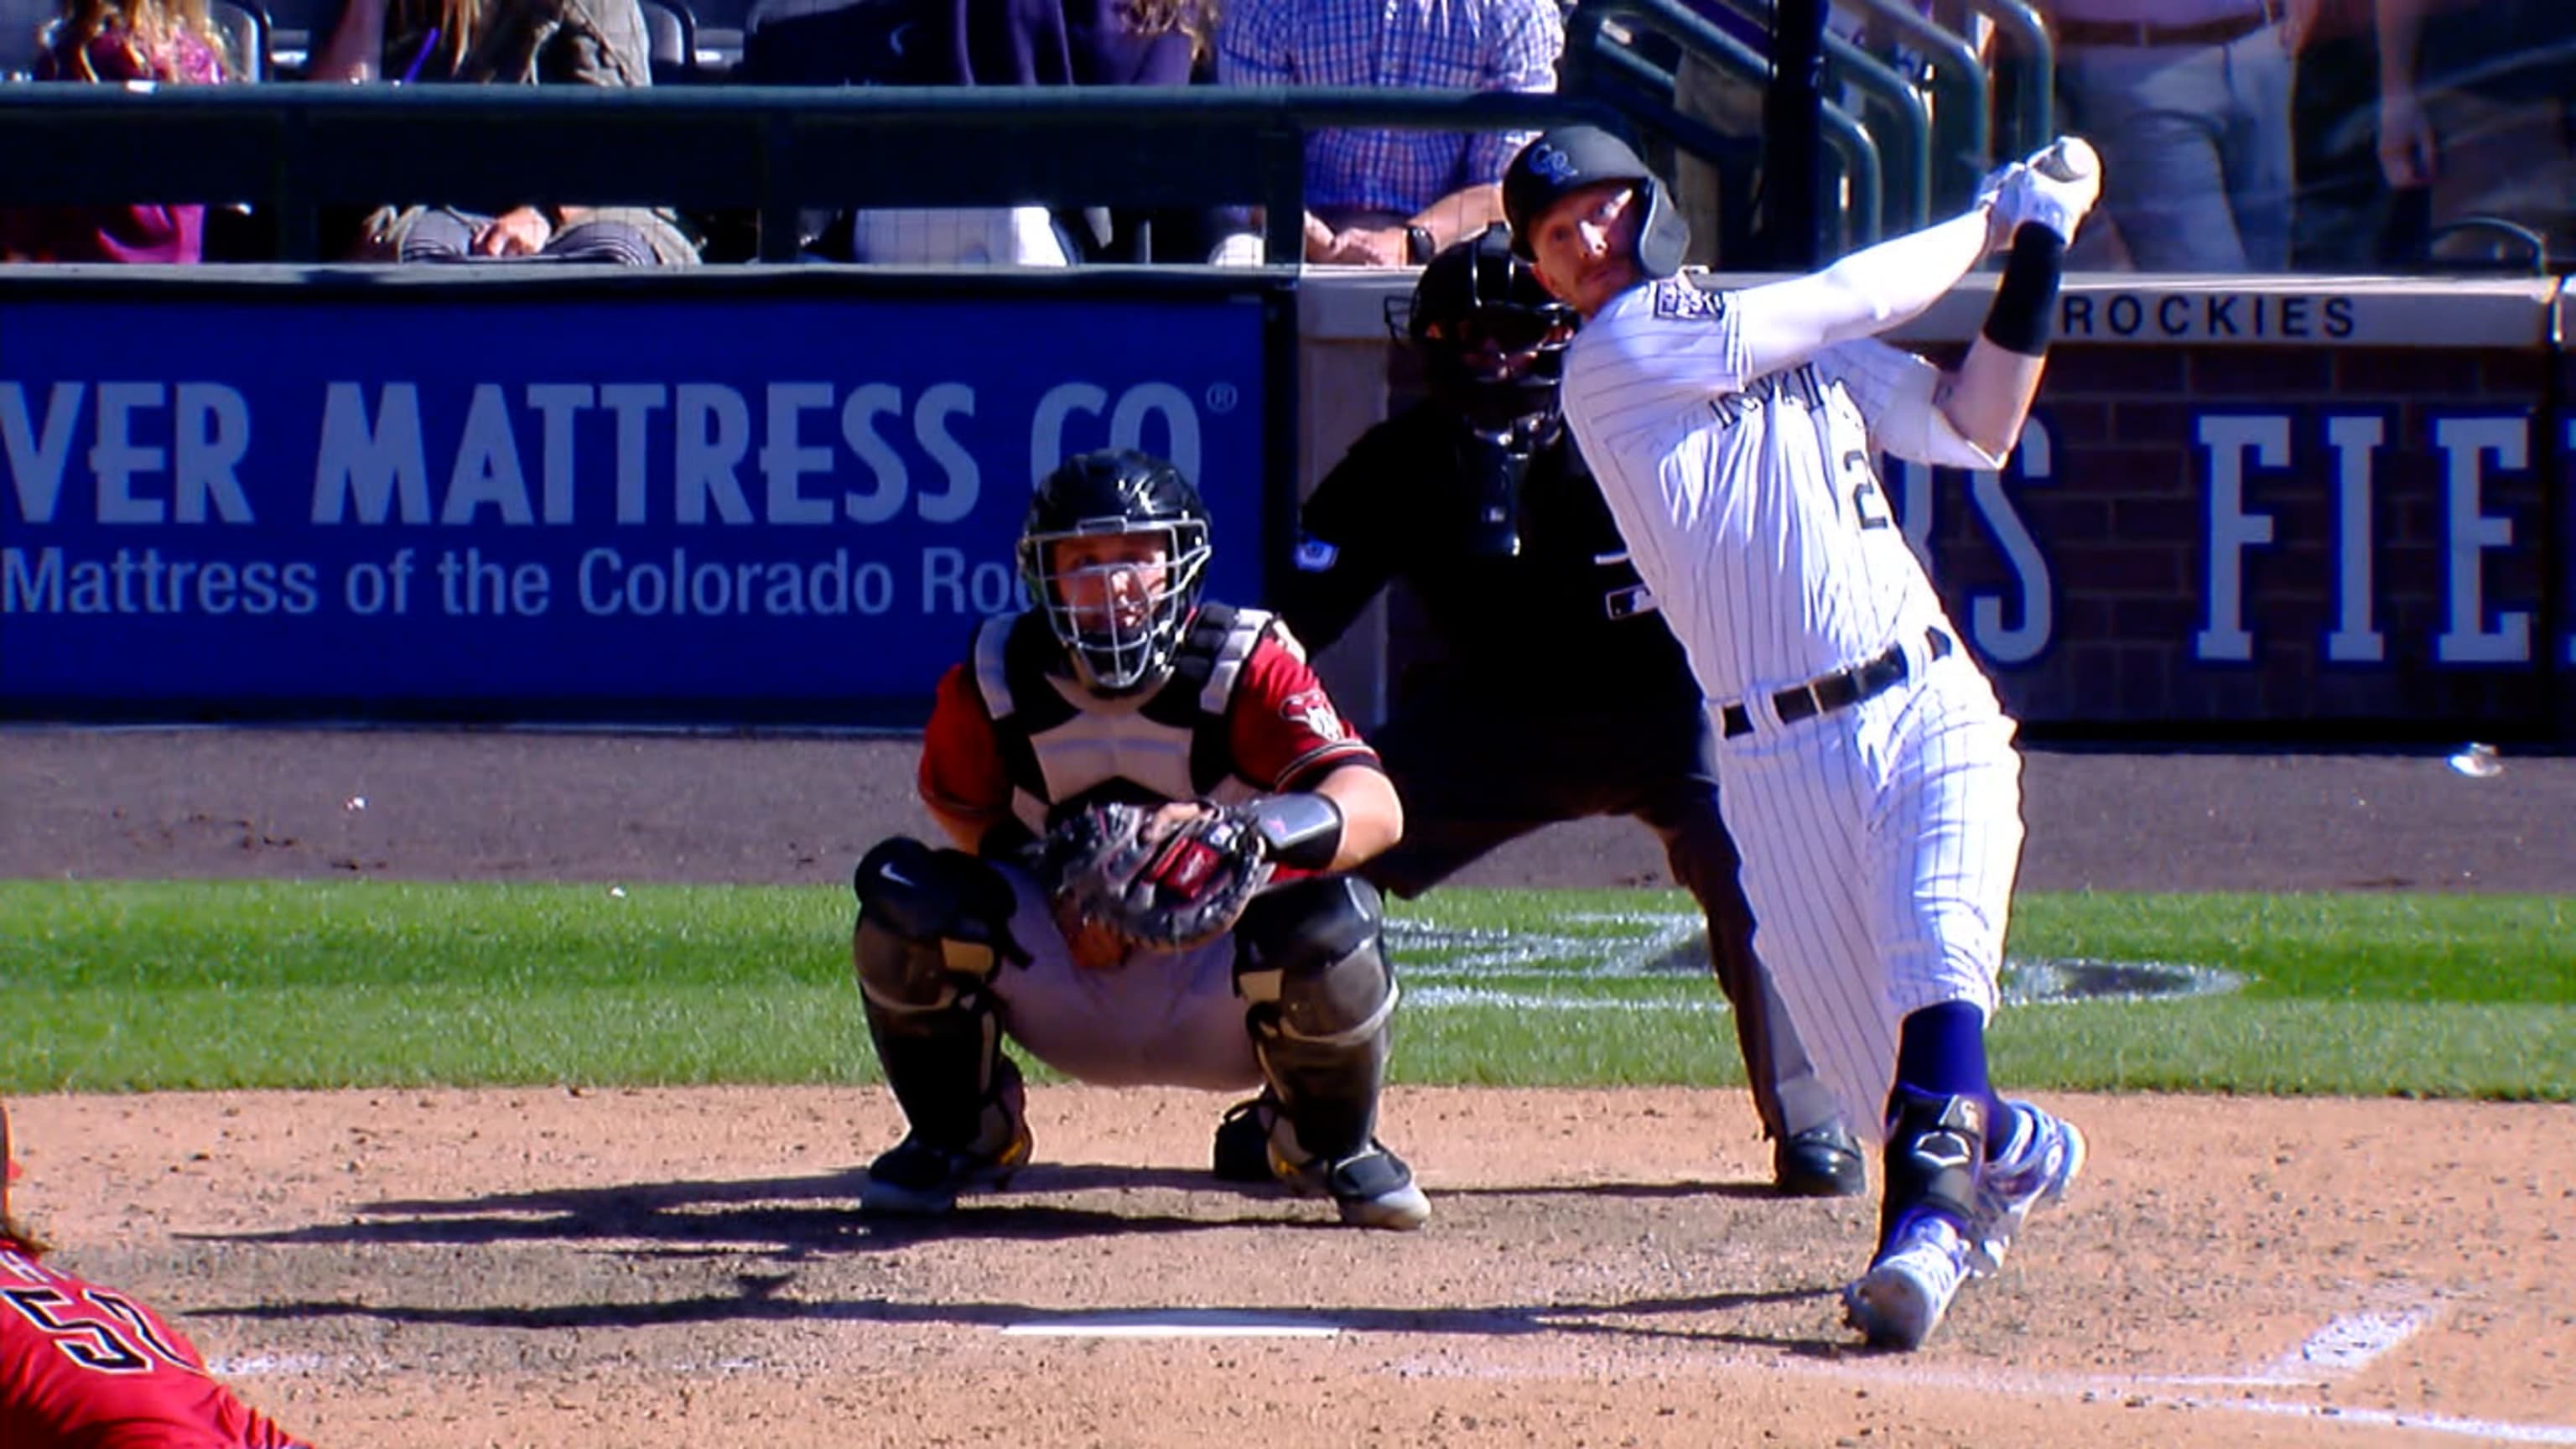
(916, 1179)
(1819, 1162)
(1373, 1189)
(1243, 1140)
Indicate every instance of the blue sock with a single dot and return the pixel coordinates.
(1941, 1052)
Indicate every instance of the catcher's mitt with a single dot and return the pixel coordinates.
(1162, 879)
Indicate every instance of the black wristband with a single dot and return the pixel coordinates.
(1301, 830)
(2024, 315)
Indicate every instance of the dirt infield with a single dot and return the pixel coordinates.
(548, 1269)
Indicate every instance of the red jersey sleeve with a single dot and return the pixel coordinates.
(1285, 732)
(961, 760)
(81, 1364)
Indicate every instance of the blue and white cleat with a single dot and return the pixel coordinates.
(2040, 1161)
(1900, 1300)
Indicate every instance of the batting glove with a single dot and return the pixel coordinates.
(2054, 189)
(1991, 189)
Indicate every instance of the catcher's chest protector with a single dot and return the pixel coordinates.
(1058, 743)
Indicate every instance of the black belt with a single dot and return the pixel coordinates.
(1840, 690)
(2140, 33)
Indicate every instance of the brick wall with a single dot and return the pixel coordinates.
(2167, 607)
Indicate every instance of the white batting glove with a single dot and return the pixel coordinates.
(1991, 189)
(2054, 189)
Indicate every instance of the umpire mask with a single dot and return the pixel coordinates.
(1493, 347)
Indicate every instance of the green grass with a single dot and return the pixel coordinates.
(145, 986)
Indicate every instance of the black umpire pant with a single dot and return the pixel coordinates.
(1476, 770)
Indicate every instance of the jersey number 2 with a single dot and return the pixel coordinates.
(92, 1341)
(1869, 505)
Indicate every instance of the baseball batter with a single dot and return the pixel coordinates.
(1154, 804)
(1866, 768)
(85, 1367)
(1476, 499)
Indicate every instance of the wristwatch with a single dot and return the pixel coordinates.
(1419, 245)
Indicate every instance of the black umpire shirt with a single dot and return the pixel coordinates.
(1562, 627)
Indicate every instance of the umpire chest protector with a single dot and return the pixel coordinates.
(1060, 743)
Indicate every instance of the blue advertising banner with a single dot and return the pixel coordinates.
(611, 506)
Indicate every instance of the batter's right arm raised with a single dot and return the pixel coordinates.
(1863, 295)
(1691, 343)
(1988, 398)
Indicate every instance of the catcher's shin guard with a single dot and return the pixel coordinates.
(1307, 958)
(931, 931)
(1936, 1147)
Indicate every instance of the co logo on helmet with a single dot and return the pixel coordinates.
(1552, 164)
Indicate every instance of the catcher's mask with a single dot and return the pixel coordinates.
(1115, 551)
(1569, 158)
(1492, 340)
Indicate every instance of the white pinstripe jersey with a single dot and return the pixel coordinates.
(1752, 503)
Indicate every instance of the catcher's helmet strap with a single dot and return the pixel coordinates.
(1300, 829)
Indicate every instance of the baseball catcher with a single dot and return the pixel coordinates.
(1152, 804)
(81, 1365)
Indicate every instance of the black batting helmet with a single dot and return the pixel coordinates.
(1570, 158)
(1492, 339)
(1122, 633)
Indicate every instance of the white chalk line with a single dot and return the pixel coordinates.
(2344, 1347)
(2341, 1348)
(1182, 1324)
(1450, 967)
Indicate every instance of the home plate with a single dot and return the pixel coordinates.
(1175, 1323)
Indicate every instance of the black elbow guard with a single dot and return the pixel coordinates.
(2025, 311)
(1302, 830)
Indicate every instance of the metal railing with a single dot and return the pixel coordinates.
(1962, 102)
(1891, 109)
(1603, 57)
(2025, 76)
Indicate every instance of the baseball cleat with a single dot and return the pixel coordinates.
(918, 1179)
(1819, 1162)
(2038, 1164)
(1900, 1300)
(1374, 1189)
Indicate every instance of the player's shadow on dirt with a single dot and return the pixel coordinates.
(798, 1216)
(760, 1301)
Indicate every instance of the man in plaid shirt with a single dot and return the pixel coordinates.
(1389, 198)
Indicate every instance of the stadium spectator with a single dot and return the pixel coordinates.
(82, 1367)
(120, 42)
(2339, 218)
(2189, 103)
(1395, 198)
(1731, 104)
(976, 43)
(2477, 112)
(505, 42)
